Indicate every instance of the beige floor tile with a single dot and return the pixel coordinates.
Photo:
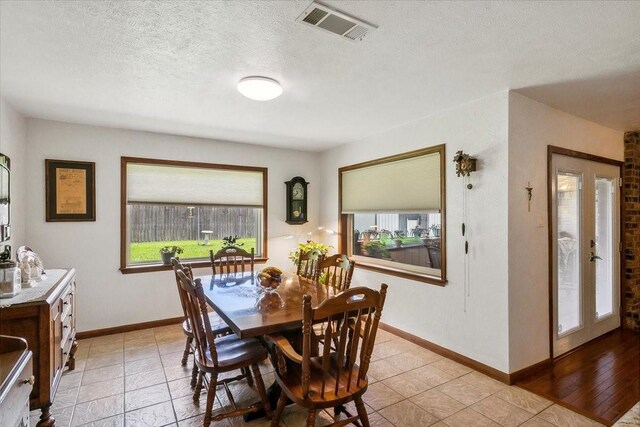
(380, 396)
(176, 371)
(97, 409)
(409, 361)
(451, 367)
(100, 374)
(144, 379)
(407, 414)
(142, 365)
(180, 388)
(141, 353)
(463, 392)
(80, 365)
(524, 399)
(186, 408)
(63, 416)
(116, 421)
(382, 369)
(563, 417)
(469, 418)
(406, 384)
(377, 420)
(83, 350)
(503, 413)
(171, 347)
(432, 376)
(537, 422)
(146, 397)
(151, 416)
(134, 344)
(298, 417)
(98, 349)
(65, 398)
(631, 418)
(384, 336)
(483, 382)
(107, 339)
(98, 390)
(386, 349)
(100, 361)
(70, 379)
(437, 403)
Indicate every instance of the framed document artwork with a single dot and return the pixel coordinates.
(71, 190)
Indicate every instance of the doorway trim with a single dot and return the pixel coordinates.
(551, 150)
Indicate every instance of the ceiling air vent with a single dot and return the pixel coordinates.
(345, 26)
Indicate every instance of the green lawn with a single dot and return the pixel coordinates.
(150, 251)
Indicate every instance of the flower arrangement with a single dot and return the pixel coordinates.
(310, 245)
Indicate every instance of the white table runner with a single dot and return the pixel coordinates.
(39, 289)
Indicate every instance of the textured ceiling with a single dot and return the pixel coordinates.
(173, 66)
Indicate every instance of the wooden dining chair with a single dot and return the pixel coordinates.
(335, 376)
(218, 326)
(232, 259)
(335, 271)
(307, 264)
(218, 356)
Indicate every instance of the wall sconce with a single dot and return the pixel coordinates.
(464, 164)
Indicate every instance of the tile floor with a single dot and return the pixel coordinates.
(135, 379)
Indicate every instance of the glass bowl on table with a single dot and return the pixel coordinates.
(270, 278)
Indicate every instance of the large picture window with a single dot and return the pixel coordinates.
(189, 205)
(392, 214)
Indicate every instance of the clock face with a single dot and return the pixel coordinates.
(297, 193)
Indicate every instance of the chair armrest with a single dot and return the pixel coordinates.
(285, 347)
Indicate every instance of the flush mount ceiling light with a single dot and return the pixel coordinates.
(259, 88)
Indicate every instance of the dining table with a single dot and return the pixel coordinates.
(252, 311)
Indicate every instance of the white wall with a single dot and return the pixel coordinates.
(13, 144)
(438, 313)
(106, 297)
(532, 127)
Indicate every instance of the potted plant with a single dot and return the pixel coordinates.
(231, 241)
(169, 252)
(306, 247)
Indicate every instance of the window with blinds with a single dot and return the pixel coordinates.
(392, 214)
(190, 206)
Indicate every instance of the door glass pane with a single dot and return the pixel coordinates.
(569, 283)
(604, 246)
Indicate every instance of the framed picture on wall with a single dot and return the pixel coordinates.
(70, 190)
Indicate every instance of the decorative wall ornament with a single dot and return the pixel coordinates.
(70, 190)
(464, 164)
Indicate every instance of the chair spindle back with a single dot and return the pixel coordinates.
(351, 319)
(336, 271)
(232, 259)
(308, 263)
(198, 315)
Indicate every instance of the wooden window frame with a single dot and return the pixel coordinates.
(198, 262)
(344, 223)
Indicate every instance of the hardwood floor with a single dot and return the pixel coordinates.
(600, 380)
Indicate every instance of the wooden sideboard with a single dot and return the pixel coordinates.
(16, 382)
(48, 323)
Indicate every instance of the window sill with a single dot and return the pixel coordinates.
(147, 268)
(432, 280)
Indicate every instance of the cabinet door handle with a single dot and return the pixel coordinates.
(30, 381)
(65, 303)
(66, 326)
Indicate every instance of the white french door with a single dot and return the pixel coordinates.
(585, 251)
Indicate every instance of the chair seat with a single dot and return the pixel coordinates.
(218, 327)
(233, 353)
(292, 385)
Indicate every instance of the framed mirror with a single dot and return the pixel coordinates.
(5, 199)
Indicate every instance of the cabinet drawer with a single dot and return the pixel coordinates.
(16, 402)
(67, 303)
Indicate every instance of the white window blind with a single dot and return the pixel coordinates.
(148, 183)
(408, 185)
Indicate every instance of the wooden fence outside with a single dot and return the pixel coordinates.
(153, 223)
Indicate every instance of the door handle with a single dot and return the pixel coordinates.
(593, 257)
